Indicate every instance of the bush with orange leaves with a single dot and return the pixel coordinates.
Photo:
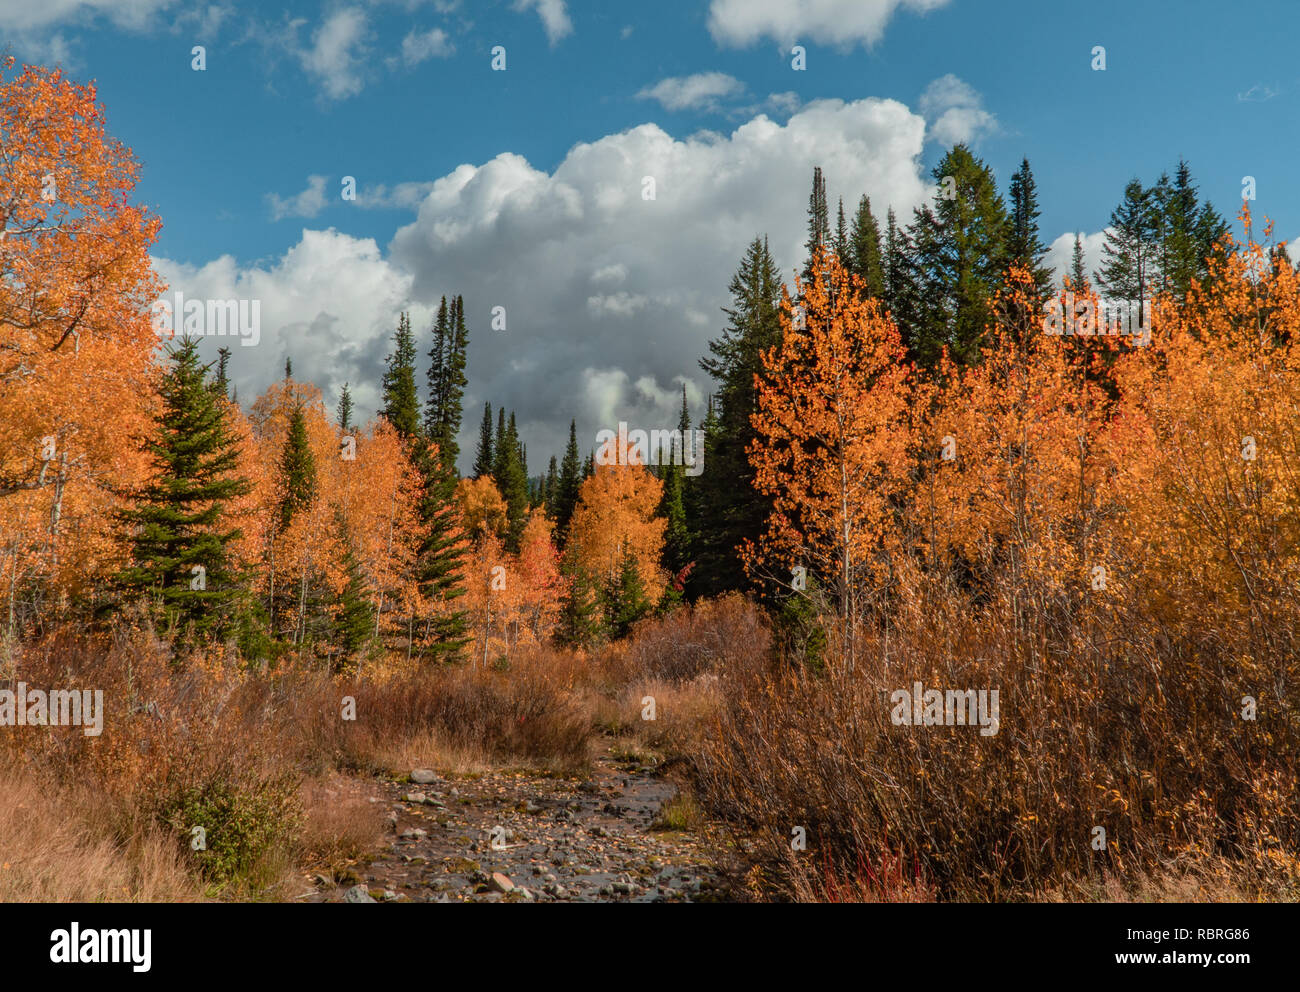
(1104, 532)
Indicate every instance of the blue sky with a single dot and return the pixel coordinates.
(522, 188)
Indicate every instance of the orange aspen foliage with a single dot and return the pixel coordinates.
(76, 341)
(615, 514)
(832, 439)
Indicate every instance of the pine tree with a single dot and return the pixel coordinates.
(566, 490)
(345, 409)
(1188, 232)
(959, 244)
(401, 402)
(865, 257)
(589, 466)
(819, 220)
(1131, 250)
(356, 617)
(512, 482)
(1079, 281)
(626, 601)
(221, 385)
(722, 505)
(179, 544)
(549, 487)
(297, 469)
(901, 281)
(447, 381)
(1024, 247)
(483, 454)
(580, 616)
(840, 242)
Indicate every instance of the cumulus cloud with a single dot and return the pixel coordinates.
(955, 112)
(330, 303)
(833, 22)
(308, 203)
(610, 299)
(554, 15)
(701, 91)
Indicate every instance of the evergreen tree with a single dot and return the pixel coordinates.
(221, 386)
(1024, 247)
(1188, 230)
(566, 488)
(483, 454)
(589, 466)
(288, 368)
(819, 221)
(356, 616)
(580, 615)
(297, 469)
(901, 281)
(626, 600)
(447, 381)
(840, 242)
(549, 487)
(401, 402)
(865, 257)
(722, 506)
(1130, 253)
(960, 244)
(345, 409)
(512, 482)
(1079, 280)
(180, 546)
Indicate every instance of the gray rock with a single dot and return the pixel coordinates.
(358, 893)
(415, 834)
(500, 882)
(423, 776)
(415, 797)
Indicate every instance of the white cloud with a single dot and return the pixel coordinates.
(419, 47)
(833, 22)
(700, 91)
(955, 112)
(330, 303)
(334, 59)
(610, 299)
(554, 15)
(308, 203)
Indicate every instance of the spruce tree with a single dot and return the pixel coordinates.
(297, 469)
(1024, 247)
(180, 544)
(512, 482)
(345, 409)
(959, 244)
(401, 402)
(581, 622)
(840, 242)
(1079, 281)
(566, 487)
(819, 221)
(549, 487)
(483, 454)
(447, 381)
(901, 282)
(722, 505)
(221, 385)
(626, 600)
(1131, 250)
(865, 256)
